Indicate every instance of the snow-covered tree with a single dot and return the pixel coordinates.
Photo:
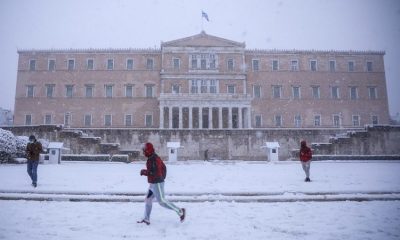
(21, 143)
(8, 145)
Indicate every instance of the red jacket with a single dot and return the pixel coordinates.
(305, 154)
(156, 169)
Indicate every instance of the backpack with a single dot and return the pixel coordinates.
(163, 170)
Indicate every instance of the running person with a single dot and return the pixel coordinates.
(156, 172)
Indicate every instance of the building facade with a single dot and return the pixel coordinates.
(201, 82)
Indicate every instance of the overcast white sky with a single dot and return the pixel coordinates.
(266, 24)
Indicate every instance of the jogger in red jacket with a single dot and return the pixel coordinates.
(156, 172)
(305, 158)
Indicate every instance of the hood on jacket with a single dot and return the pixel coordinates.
(303, 144)
(148, 149)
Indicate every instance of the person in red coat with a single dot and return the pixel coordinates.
(305, 159)
(156, 171)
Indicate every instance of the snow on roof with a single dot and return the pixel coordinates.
(57, 145)
(173, 144)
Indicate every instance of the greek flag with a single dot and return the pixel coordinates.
(204, 15)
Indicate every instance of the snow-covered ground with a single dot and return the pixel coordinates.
(209, 219)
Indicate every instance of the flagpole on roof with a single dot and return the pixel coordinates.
(202, 29)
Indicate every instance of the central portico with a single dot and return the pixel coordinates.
(198, 90)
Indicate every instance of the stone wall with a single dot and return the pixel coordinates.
(222, 144)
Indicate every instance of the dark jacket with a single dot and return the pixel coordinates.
(33, 150)
(305, 152)
(156, 169)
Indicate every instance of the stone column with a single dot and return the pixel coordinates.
(210, 122)
(180, 118)
(170, 117)
(220, 117)
(240, 117)
(190, 118)
(249, 117)
(161, 116)
(200, 117)
(230, 117)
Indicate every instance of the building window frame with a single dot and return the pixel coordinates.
(89, 90)
(296, 94)
(51, 65)
(129, 64)
(150, 64)
(355, 119)
(109, 90)
(351, 66)
(47, 119)
(50, 90)
(67, 119)
(255, 64)
(32, 64)
(297, 120)
(108, 120)
(129, 90)
(277, 91)
(335, 92)
(69, 91)
(374, 119)
(28, 119)
(369, 66)
(278, 120)
(71, 64)
(258, 121)
(332, 65)
(313, 65)
(90, 64)
(257, 91)
(275, 65)
(30, 91)
(316, 92)
(317, 120)
(353, 92)
(149, 90)
(128, 120)
(175, 88)
(294, 65)
(336, 120)
(176, 63)
(110, 64)
(230, 64)
(148, 120)
(88, 120)
(372, 92)
(231, 88)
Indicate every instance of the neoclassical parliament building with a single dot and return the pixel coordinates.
(201, 82)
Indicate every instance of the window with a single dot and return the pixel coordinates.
(175, 88)
(30, 91)
(129, 91)
(28, 119)
(275, 65)
(374, 120)
(212, 61)
(47, 119)
(255, 65)
(372, 93)
(32, 65)
(90, 64)
(149, 91)
(335, 92)
(332, 66)
(278, 121)
(351, 66)
(213, 86)
(276, 92)
(129, 64)
(231, 89)
(353, 93)
(317, 120)
(69, 91)
(67, 119)
(203, 62)
(50, 90)
(230, 64)
(88, 120)
(297, 121)
(296, 92)
(203, 88)
(128, 120)
(149, 120)
(336, 120)
(356, 120)
(89, 91)
(294, 65)
(257, 91)
(258, 120)
(194, 88)
(315, 92)
(71, 64)
(313, 65)
(194, 61)
(110, 64)
(107, 120)
(150, 64)
(369, 66)
(177, 63)
(109, 91)
(52, 65)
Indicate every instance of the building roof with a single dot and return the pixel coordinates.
(202, 40)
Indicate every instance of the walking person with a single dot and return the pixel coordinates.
(33, 150)
(156, 172)
(305, 158)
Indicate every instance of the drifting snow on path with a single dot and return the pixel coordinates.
(216, 220)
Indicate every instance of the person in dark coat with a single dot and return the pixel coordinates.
(33, 150)
(305, 159)
(156, 172)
